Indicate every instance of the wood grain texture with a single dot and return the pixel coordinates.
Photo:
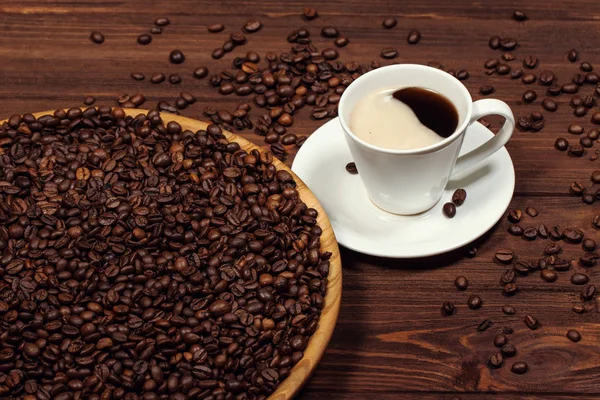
(391, 341)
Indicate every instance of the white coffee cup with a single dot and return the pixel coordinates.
(412, 181)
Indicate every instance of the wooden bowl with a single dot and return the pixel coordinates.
(319, 340)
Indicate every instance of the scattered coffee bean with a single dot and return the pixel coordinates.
(494, 42)
(569, 88)
(580, 111)
(174, 79)
(97, 37)
(577, 188)
(447, 308)
(531, 322)
(554, 90)
(461, 283)
(549, 275)
(516, 73)
(138, 76)
(486, 89)
(552, 249)
(505, 256)
(351, 168)
(573, 235)
(474, 302)
(341, 41)
(524, 124)
(588, 245)
(389, 23)
(508, 310)
(521, 268)
(589, 259)
(413, 37)
(449, 210)
(519, 16)
(575, 129)
(508, 57)
(462, 74)
(162, 21)
(389, 52)
(549, 105)
(158, 78)
(546, 78)
(586, 67)
(496, 360)
(596, 118)
(573, 335)
(484, 325)
(252, 26)
(579, 308)
(176, 57)
(529, 96)
(532, 212)
(515, 230)
(519, 368)
(156, 30)
(200, 72)
(530, 62)
(218, 53)
(508, 43)
(578, 79)
(460, 195)
(508, 350)
(216, 28)
(576, 151)
(502, 69)
(330, 32)
(510, 289)
(500, 340)
(579, 279)
(144, 39)
(89, 100)
(592, 78)
(514, 215)
(561, 144)
(310, 13)
(528, 78)
(530, 233)
(588, 292)
(586, 142)
(572, 55)
(507, 276)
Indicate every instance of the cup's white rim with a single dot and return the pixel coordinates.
(424, 150)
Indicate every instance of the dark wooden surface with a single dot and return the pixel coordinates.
(391, 341)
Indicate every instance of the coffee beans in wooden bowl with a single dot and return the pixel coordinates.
(156, 258)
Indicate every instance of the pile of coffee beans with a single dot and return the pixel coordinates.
(142, 260)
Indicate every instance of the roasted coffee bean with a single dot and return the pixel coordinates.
(138, 76)
(508, 43)
(528, 78)
(531, 322)
(586, 142)
(588, 245)
(537, 126)
(579, 279)
(486, 89)
(561, 144)
(593, 134)
(330, 32)
(530, 62)
(577, 188)
(524, 124)
(549, 105)
(447, 308)
(351, 168)
(589, 259)
(252, 26)
(413, 37)
(158, 78)
(162, 21)
(461, 283)
(537, 116)
(310, 13)
(519, 16)
(586, 66)
(576, 151)
(543, 231)
(97, 37)
(508, 57)
(510, 289)
(515, 230)
(156, 30)
(330, 54)
(460, 195)
(218, 53)
(575, 129)
(579, 308)
(494, 42)
(572, 55)
(341, 41)
(200, 72)
(389, 23)
(496, 360)
(521, 268)
(588, 292)
(216, 28)
(519, 368)
(484, 325)
(474, 302)
(515, 215)
(592, 78)
(174, 79)
(508, 310)
(561, 265)
(516, 73)
(589, 101)
(580, 111)
(573, 335)
(389, 52)
(569, 88)
(176, 57)
(552, 249)
(462, 74)
(549, 275)
(502, 69)
(508, 350)
(89, 100)
(144, 39)
(507, 277)
(596, 118)
(530, 233)
(578, 79)
(505, 256)
(449, 210)
(573, 235)
(529, 96)
(554, 90)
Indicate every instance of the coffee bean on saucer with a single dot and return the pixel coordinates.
(389, 52)
(484, 325)
(519, 16)
(449, 210)
(549, 275)
(549, 105)
(573, 335)
(505, 256)
(508, 310)
(461, 283)
(447, 308)
(413, 37)
(500, 340)
(496, 360)
(486, 89)
(459, 196)
(531, 322)
(474, 302)
(144, 39)
(351, 168)
(588, 292)
(176, 57)
(579, 279)
(97, 37)
(519, 368)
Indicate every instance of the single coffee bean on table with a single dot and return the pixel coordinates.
(484, 325)
(496, 360)
(505, 256)
(528, 78)
(461, 283)
(507, 276)
(519, 368)
(162, 21)
(500, 340)
(389, 22)
(310, 13)
(588, 244)
(486, 89)
(515, 215)
(519, 16)
(413, 37)
(447, 308)
(549, 105)
(510, 289)
(216, 28)
(508, 310)
(138, 76)
(389, 52)
(549, 275)
(588, 292)
(474, 302)
(573, 335)
(176, 57)
(330, 32)
(144, 39)
(252, 26)
(531, 322)
(579, 279)
(530, 62)
(97, 37)
(515, 230)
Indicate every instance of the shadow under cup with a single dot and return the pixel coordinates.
(406, 181)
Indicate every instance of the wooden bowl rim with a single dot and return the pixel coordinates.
(318, 342)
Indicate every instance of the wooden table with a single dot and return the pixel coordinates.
(391, 341)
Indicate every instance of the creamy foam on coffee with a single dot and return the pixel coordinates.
(383, 121)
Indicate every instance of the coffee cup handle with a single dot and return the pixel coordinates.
(481, 108)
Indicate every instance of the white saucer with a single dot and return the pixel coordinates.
(361, 226)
